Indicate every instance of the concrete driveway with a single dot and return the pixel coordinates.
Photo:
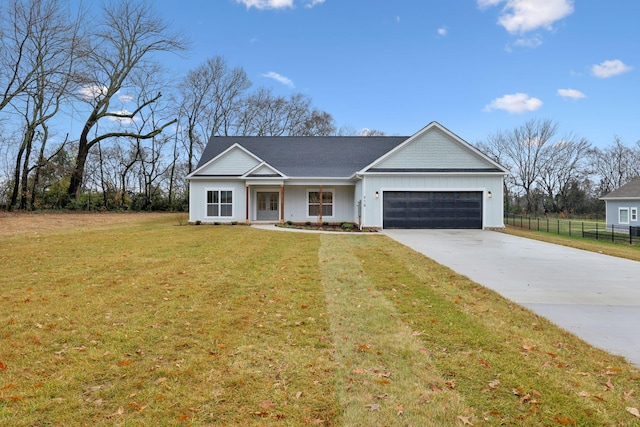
(595, 296)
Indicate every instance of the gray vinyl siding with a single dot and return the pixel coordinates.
(296, 205)
(235, 162)
(434, 150)
(492, 207)
(198, 200)
(613, 209)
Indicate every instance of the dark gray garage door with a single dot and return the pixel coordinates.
(432, 209)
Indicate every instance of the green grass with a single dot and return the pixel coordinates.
(149, 322)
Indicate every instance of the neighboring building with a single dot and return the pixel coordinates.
(432, 179)
(622, 205)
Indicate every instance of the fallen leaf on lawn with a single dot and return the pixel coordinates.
(634, 412)
(298, 395)
(373, 406)
(417, 333)
(400, 410)
(494, 383)
(382, 396)
(3, 367)
(363, 347)
(564, 420)
(465, 420)
(584, 394)
(608, 386)
(267, 404)
(627, 394)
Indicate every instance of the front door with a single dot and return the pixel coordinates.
(268, 206)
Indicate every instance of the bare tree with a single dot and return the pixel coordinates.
(564, 163)
(49, 51)
(127, 36)
(211, 95)
(615, 165)
(522, 150)
(264, 114)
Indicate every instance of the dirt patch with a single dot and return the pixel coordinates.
(12, 223)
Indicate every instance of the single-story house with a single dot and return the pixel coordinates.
(432, 179)
(622, 205)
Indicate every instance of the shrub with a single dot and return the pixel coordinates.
(234, 222)
(325, 223)
(307, 223)
(346, 226)
(198, 222)
(289, 222)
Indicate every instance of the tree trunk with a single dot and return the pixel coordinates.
(16, 180)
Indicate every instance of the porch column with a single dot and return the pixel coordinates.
(246, 204)
(281, 203)
(320, 207)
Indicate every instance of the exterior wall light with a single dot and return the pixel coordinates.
(489, 194)
(377, 195)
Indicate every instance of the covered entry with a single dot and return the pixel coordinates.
(432, 209)
(268, 203)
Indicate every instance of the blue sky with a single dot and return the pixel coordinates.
(475, 66)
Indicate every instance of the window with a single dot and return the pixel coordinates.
(220, 203)
(634, 214)
(623, 215)
(314, 203)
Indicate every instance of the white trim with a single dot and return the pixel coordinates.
(261, 164)
(234, 146)
(620, 209)
(447, 132)
(435, 190)
(324, 190)
(233, 203)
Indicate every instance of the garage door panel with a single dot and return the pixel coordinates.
(432, 209)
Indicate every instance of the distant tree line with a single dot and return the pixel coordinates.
(559, 174)
(90, 118)
(139, 131)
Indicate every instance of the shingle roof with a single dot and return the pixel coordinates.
(314, 156)
(629, 190)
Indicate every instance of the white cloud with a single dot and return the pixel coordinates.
(125, 98)
(516, 103)
(122, 120)
(609, 68)
(313, 3)
(521, 16)
(571, 93)
(442, 31)
(530, 42)
(279, 78)
(266, 4)
(93, 91)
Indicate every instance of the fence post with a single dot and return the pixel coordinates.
(547, 225)
(630, 237)
(529, 218)
(538, 224)
(521, 217)
(558, 226)
(582, 229)
(612, 239)
(569, 228)
(596, 231)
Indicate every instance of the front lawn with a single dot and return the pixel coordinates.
(150, 321)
